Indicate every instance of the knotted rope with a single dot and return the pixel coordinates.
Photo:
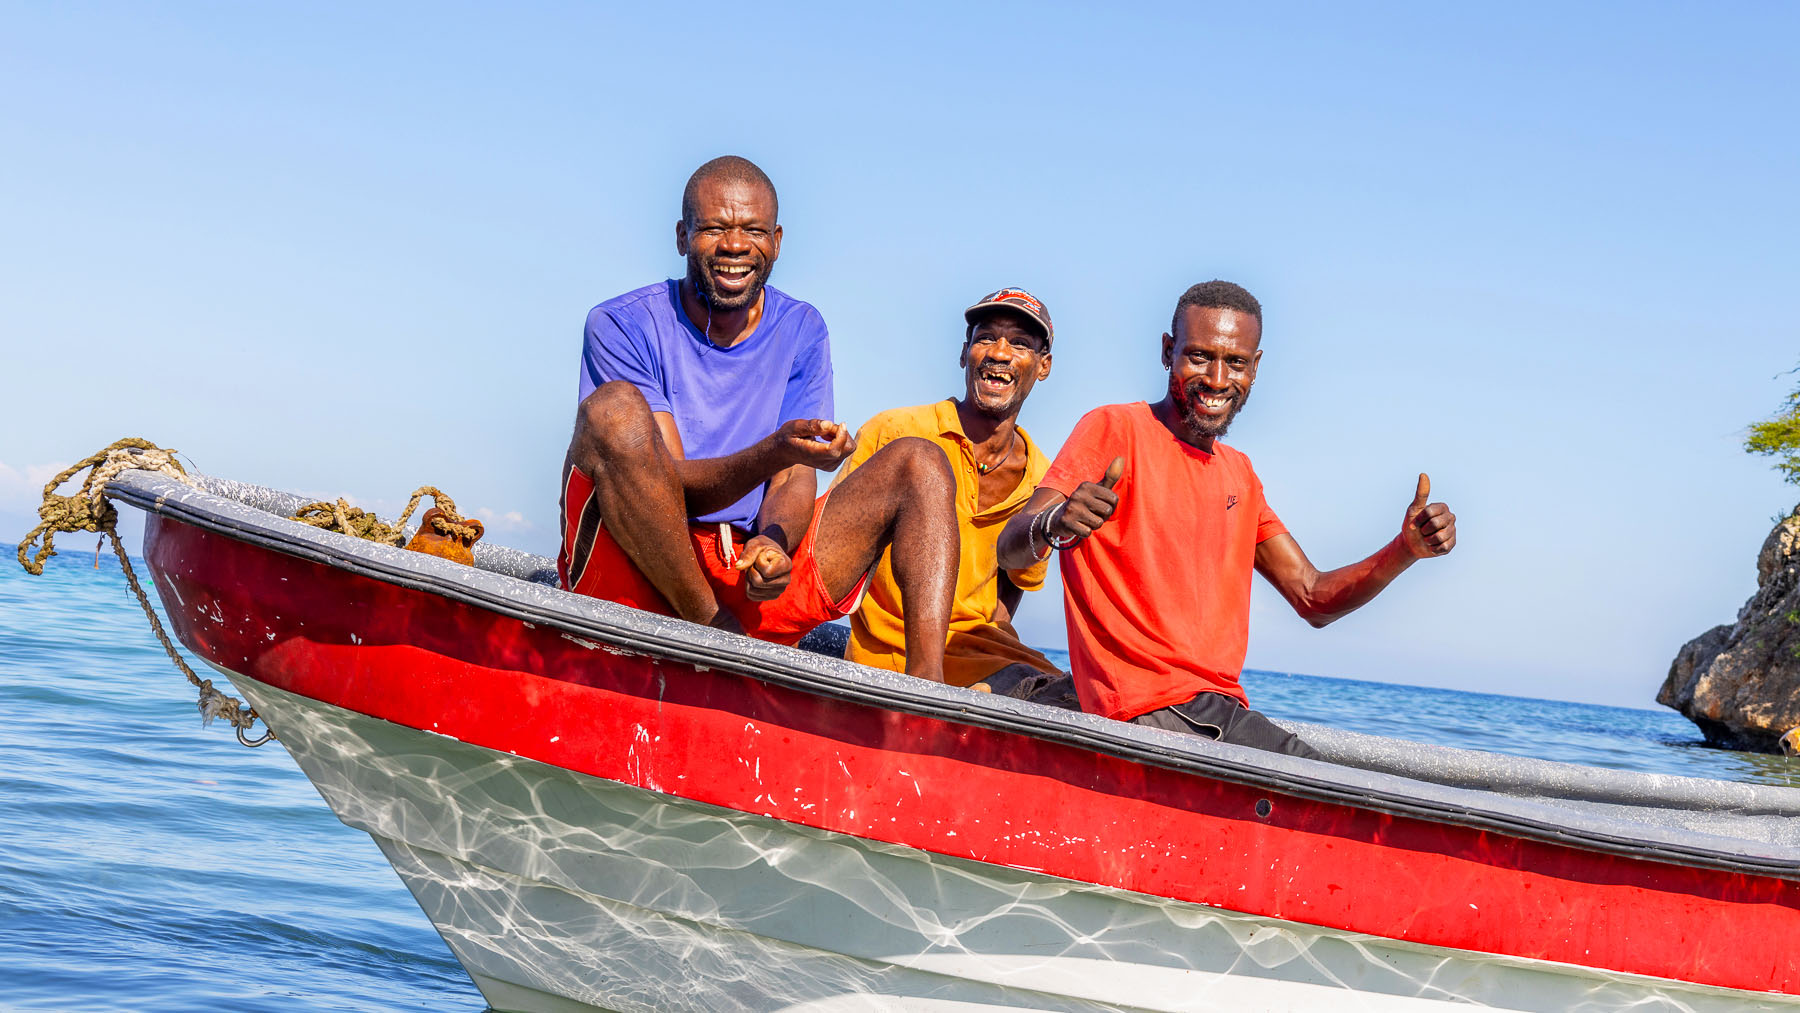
(341, 517)
(88, 510)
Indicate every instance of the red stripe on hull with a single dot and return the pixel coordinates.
(427, 662)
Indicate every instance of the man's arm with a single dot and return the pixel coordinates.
(1049, 514)
(787, 507)
(1010, 597)
(804, 443)
(787, 460)
(767, 562)
(1322, 597)
(1021, 543)
(715, 483)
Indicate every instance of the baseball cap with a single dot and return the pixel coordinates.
(1016, 299)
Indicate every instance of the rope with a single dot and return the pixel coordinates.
(346, 519)
(356, 522)
(88, 510)
(212, 703)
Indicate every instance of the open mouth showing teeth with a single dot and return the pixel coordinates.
(1214, 402)
(732, 270)
(996, 378)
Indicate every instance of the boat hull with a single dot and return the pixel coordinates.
(595, 805)
(560, 891)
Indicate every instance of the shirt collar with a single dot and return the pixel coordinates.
(948, 422)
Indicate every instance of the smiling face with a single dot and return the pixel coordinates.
(1004, 357)
(1212, 358)
(730, 243)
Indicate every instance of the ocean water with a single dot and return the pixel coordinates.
(150, 864)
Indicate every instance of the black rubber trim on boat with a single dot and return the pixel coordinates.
(1461, 807)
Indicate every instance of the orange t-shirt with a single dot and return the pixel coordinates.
(1158, 599)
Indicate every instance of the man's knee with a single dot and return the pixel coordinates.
(615, 419)
(922, 466)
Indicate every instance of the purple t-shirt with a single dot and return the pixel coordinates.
(723, 399)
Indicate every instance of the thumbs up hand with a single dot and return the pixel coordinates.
(1428, 529)
(1113, 471)
(1084, 512)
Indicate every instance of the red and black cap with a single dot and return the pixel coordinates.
(1017, 300)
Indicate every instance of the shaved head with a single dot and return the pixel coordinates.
(1216, 294)
(727, 168)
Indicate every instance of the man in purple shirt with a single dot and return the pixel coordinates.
(706, 407)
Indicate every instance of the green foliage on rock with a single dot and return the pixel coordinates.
(1779, 437)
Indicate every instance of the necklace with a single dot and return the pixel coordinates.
(985, 468)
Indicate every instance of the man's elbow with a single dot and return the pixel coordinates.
(1316, 616)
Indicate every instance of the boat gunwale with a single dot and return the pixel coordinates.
(796, 669)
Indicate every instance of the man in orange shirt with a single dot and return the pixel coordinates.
(1005, 352)
(1160, 525)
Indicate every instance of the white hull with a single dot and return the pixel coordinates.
(560, 891)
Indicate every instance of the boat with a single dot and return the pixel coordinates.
(602, 809)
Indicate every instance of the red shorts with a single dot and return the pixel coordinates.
(591, 563)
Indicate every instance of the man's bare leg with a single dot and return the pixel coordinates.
(902, 496)
(617, 445)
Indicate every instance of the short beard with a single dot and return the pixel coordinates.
(1198, 425)
(999, 413)
(702, 281)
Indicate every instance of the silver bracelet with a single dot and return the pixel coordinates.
(1052, 540)
(1031, 536)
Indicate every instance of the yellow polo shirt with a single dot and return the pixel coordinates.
(979, 645)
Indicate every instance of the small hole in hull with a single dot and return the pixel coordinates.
(1263, 808)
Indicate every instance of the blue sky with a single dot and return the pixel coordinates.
(1545, 254)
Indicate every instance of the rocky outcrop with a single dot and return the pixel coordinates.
(1741, 683)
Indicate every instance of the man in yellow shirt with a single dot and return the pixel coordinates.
(1006, 350)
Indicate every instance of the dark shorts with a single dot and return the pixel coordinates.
(1023, 682)
(591, 563)
(1220, 717)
